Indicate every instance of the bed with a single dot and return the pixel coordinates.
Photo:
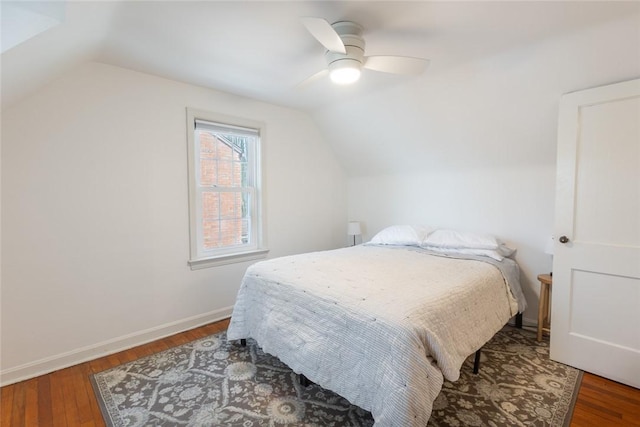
(381, 325)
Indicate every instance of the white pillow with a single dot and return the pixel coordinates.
(505, 250)
(407, 235)
(444, 238)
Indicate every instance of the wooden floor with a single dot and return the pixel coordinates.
(65, 397)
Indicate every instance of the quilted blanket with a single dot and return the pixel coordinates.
(380, 327)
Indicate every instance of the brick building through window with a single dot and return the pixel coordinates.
(223, 168)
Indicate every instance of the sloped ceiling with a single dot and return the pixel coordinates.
(261, 50)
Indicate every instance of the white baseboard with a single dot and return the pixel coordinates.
(84, 354)
(530, 323)
(527, 323)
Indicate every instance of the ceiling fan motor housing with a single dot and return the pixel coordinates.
(351, 35)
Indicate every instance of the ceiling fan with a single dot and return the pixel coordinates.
(345, 54)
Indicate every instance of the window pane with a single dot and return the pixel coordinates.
(211, 234)
(226, 218)
(246, 211)
(225, 173)
(240, 174)
(223, 159)
(207, 145)
(230, 204)
(246, 230)
(211, 205)
(207, 172)
(231, 232)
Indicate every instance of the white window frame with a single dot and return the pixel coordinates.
(199, 257)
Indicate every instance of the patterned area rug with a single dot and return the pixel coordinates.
(211, 382)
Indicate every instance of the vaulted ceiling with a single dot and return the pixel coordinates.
(261, 50)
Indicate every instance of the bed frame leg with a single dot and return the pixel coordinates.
(476, 362)
(519, 320)
(304, 381)
(243, 342)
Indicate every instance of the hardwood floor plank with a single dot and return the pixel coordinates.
(70, 405)
(194, 336)
(176, 340)
(602, 403)
(19, 401)
(6, 404)
(596, 406)
(625, 400)
(59, 417)
(66, 398)
(82, 388)
(587, 419)
(146, 350)
(32, 416)
(88, 369)
(45, 410)
(159, 346)
(113, 360)
(127, 356)
(99, 365)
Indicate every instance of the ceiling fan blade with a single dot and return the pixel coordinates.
(397, 64)
(317, 76)
(324, 33)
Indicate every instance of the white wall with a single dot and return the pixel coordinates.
(95, 226)
(474, 147)
(501, 201)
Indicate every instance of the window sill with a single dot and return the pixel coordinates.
(228, 259)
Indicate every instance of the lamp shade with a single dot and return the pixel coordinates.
(353, 228)
(549, 248)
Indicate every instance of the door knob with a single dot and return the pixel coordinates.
(563, 239)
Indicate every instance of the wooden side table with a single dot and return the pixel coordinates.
(544, 306)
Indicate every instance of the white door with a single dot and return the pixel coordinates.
(596, 272)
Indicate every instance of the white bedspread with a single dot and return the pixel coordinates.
(376, 325)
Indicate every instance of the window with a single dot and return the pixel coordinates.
(224, 189)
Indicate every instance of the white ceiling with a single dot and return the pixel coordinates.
(261, 50)
(488, 99)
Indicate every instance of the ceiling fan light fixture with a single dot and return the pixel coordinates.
(345, 71)
(345, 54)
(344, 76)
